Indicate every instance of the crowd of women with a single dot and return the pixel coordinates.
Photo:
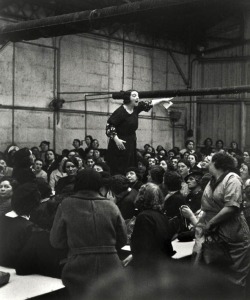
(69, 215)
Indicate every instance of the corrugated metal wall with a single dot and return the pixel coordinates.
(221, 117)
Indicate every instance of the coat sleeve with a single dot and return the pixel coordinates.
(58, 233)
(144, 106)
(121, 231)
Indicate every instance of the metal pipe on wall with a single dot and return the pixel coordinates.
(185, 92)
(13, 92)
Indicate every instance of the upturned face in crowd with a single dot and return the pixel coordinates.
(147, 156)
(192, 160)
(151, 162)
(80, 163)
(175, 163)
(90, 163)
(150, 150)
(191, 182)
(162, 153)
(6, 190)
(38, 165)
(186, 155)
(234, 146)
(95, 144)
(211, 168)
(219, 145)
(208, 143)
(70, 168)
(44, 147)
(50, 156)
(183, 169)
(164, 165)
(246, 157)
(141, 167)
(131, 176)
(71, 154)
(3, 164)
(244, 171)
(76, 144)
(96, 154)
(190, 146)
(205, 163)
(134, 98)
(171, 154)
(88, 141)
(90, 153)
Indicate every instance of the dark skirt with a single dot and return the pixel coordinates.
(120, 160)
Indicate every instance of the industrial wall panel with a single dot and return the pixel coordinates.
(32, 127)
(218, 121)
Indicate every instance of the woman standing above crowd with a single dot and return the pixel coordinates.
(121, 129)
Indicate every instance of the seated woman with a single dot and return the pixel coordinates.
(5, 170)
(7, 187)
(23, 160)
(134, 178)
(124, 195)
(174, 199)
(244, 173)
(207, 149)
(57, 173)
(65, 185)
(152, 234)
(234, 150)
(39, 173)
(219, 146)
(155, 175)
(15, 227)
(183, 167)
(51, 162)
(193, 159)
(92, 227)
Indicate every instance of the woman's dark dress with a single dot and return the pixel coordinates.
(124, 125)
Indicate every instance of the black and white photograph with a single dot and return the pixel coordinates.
(125, 149)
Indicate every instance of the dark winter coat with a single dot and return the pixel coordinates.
(91, 227)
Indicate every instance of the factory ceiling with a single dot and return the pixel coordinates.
(193, 22)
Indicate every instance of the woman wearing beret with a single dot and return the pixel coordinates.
(121, 130)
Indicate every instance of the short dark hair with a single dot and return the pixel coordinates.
(88, 179)
(126, 96)
(195, 156)
(157, 173)
(217, 142)
(11, 180)
(223, 161)
(73, 160)
(119, 183)
(89, 136)
(185, 161)
(188, 141)
(173, 181)
(44, 188)
(77, 140)
(25, 198)
(208, 139)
